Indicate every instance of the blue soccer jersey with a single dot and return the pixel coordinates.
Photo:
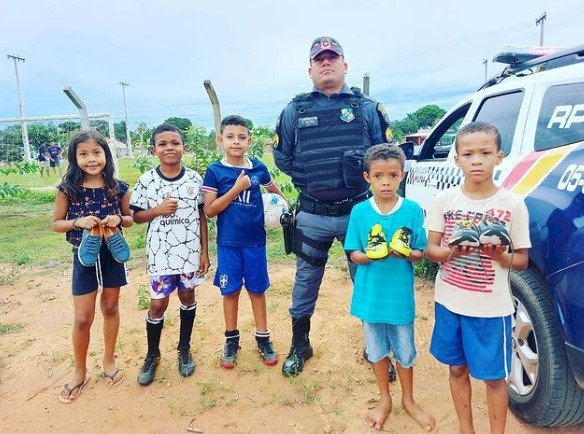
(242, 222)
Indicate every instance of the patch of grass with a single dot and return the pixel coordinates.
(46, 295)
(309, 389)
(204, 388)
(143, 298)
(426, 269)
(21, 258)
(6, 328)
(10, 277)
(207, 402)
(139, 241)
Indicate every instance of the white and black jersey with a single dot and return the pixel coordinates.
(173, 241)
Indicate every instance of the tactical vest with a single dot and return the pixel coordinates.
(324, 135)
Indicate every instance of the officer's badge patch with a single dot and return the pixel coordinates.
(347, 115)
(388, 134)
(275, 141)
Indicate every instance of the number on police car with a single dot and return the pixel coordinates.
(572, 178)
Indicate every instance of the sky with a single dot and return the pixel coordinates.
(255, 53)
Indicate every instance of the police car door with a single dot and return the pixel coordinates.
(434, 168)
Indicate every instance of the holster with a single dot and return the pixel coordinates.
(288, 222)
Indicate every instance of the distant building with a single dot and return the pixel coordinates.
(418, 137)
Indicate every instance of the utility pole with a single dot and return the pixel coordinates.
(485, 62)
(366, 83)
(539, 21)
(128, 138)
(21, 106)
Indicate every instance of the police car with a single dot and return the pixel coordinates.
(537, 103)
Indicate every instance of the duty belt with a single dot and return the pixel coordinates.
(339, 208)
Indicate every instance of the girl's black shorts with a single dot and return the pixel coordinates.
(85, 279)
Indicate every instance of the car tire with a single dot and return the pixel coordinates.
(542, 389)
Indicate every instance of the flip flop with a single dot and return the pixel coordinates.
(114, 383)
(70, 390)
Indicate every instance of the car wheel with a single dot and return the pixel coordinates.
(542, 389)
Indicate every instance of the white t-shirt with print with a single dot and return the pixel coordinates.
(474, 285)
(173, 241)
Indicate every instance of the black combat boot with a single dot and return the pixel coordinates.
(300, 351)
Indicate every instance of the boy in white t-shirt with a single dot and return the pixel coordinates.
(169, 198)
(479, 232)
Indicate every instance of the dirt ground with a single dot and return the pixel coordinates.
(332, 395)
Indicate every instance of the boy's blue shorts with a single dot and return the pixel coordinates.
(84, 279)
(239, 266)
(384, 340)
(482, 344)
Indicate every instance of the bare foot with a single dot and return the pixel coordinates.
(425, 420)
(376, 417)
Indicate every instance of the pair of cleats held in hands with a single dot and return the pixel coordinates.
(91, 240)
(379, 248)
(489, 230)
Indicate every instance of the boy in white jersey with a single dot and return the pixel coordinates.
(478, 232)
(169, 198)
(232, 193)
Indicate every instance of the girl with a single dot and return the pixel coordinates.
(89, 197)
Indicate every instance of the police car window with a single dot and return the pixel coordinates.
(438, 144)
(561, 120)
(502, 111)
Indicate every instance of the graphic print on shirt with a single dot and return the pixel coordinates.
(473, 272)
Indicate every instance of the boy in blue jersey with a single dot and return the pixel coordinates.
(232, 192)
(386, 305)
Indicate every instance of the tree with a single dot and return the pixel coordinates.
(68, 127)
(42, 133)
(120, 131)
(428, 115)
(101, 126)
(182, 124)
(141, 136)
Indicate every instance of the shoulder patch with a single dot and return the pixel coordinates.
(384, 121)
(382, 112)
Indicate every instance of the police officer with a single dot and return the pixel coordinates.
(320, 143)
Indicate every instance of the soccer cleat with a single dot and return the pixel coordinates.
(465, 233)
(267, 352)
(492, 231)
(88, 251)
(400, 241)
(186, 364)
(229, 356)
(116, 244)
(376, 244)
(148, 371)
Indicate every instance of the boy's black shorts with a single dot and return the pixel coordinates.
(84, 279)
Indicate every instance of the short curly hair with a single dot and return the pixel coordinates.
(384, 151)
(479, 127)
